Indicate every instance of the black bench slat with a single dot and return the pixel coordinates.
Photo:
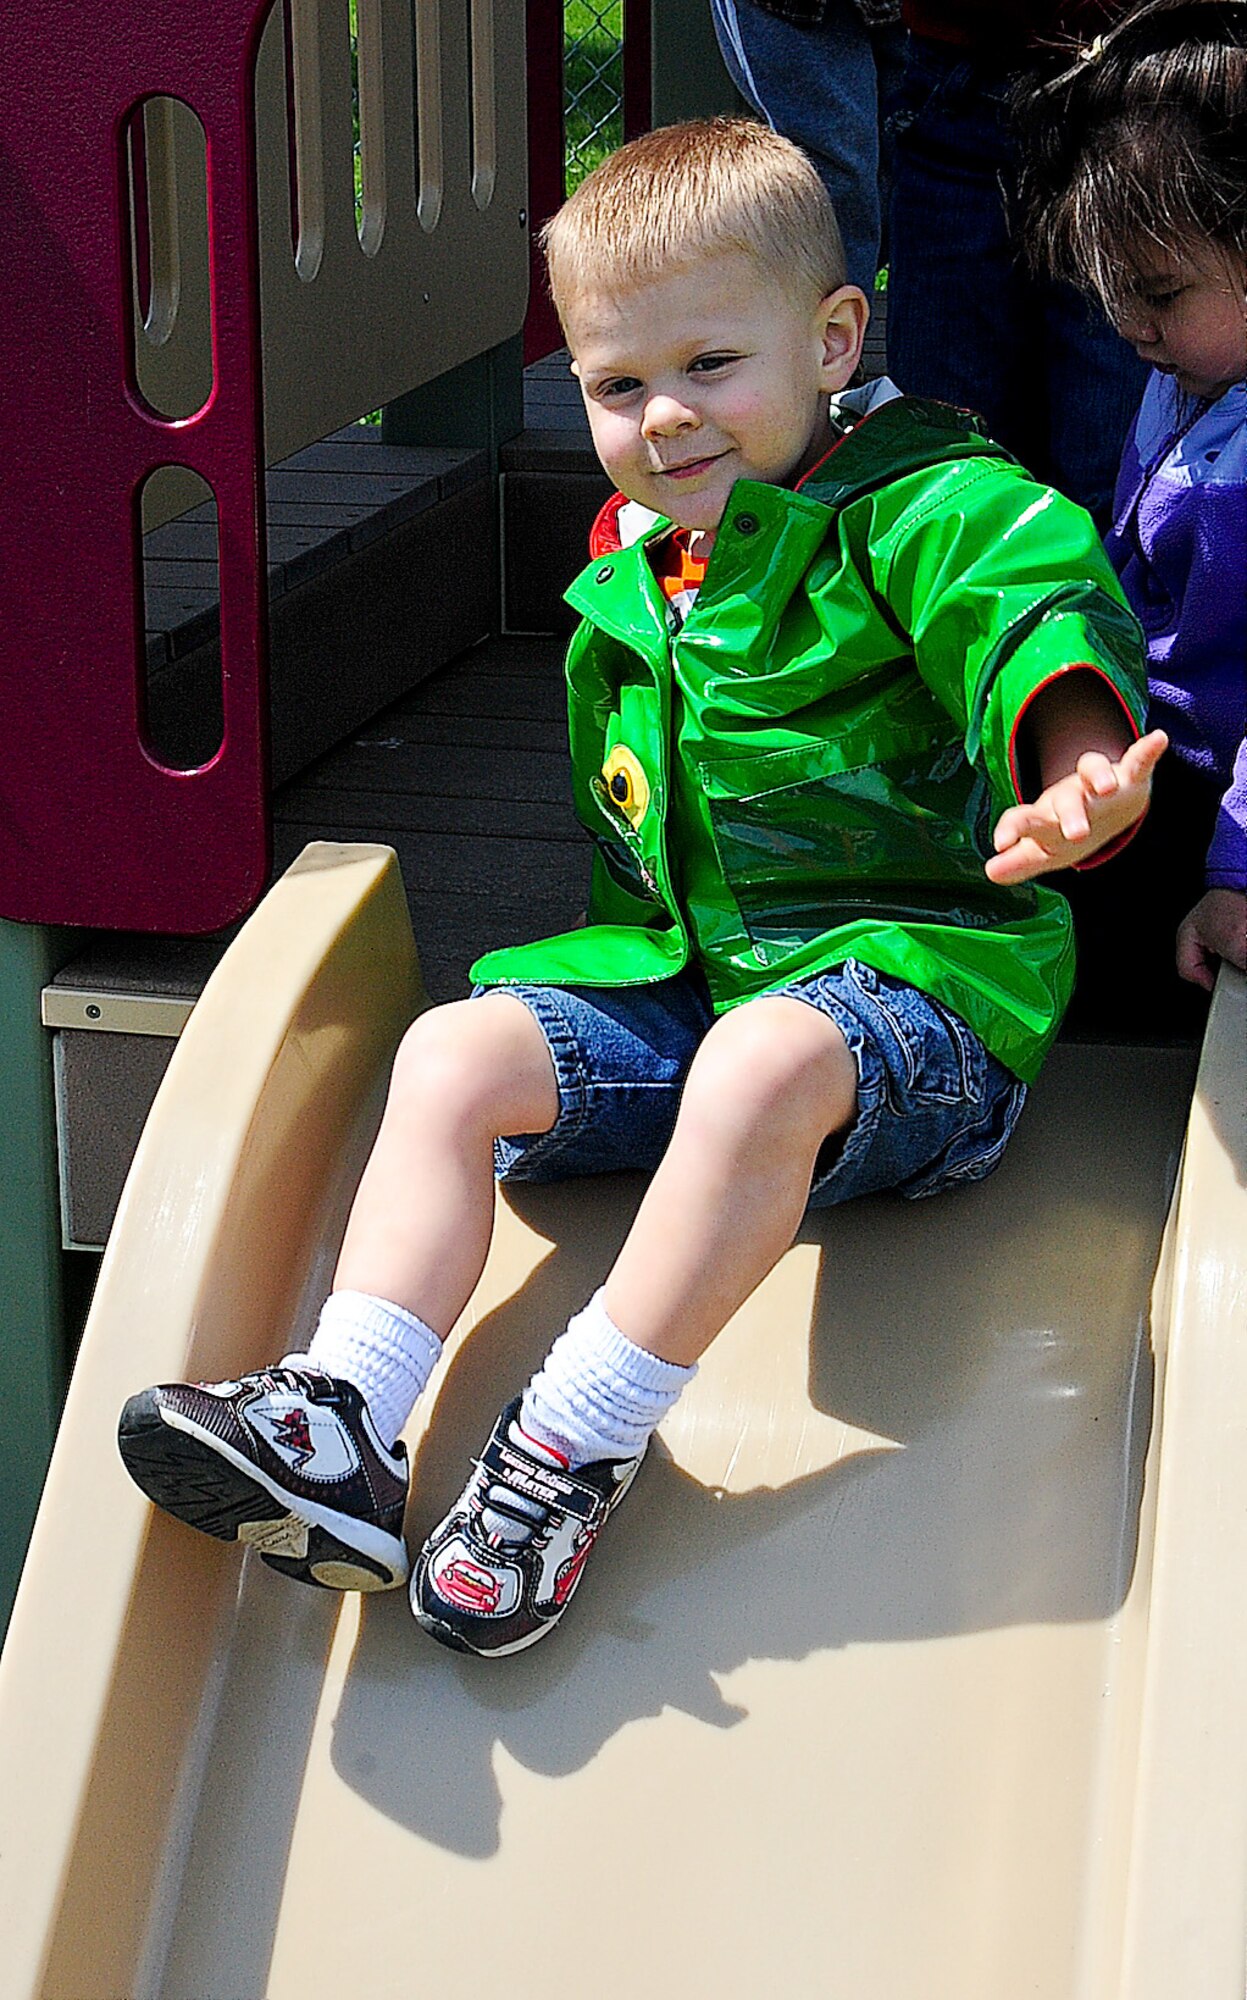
(451, 470)
(441, 769)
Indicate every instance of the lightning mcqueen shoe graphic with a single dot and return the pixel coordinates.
(287, 1460)
(465, 1584)
(501, 1569)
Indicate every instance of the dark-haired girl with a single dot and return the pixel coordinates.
(1136, 188)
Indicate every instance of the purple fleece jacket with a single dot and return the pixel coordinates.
(1179, 544)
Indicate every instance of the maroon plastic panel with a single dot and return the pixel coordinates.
(638, 59)
(544, 20)
(92, 829)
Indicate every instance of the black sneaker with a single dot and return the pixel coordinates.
(287, 1461)
(500, 1570)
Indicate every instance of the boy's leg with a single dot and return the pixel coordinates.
(913, 1101)
(420, 1223)
(300, 1460)
(770, 1083)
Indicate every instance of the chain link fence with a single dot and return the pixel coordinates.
(592, 84)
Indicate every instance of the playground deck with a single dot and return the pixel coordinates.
(467, 779)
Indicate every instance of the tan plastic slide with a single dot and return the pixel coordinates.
(913, 1669)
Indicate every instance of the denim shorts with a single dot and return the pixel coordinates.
(934, 1109)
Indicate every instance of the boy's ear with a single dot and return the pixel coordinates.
(842, 320)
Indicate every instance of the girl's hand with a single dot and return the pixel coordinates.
(1077, 815)
(1216, 928)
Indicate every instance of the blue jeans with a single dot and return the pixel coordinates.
(967, 323)
(823, 88)
(934, 1109)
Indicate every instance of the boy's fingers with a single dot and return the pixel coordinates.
(1073, 822)
(1028, 837)
(1140, 759)
(1067, 803)
(1020, 823)
(1096, 771)
(1024, 859)
(1002, 868)
(1027, 842)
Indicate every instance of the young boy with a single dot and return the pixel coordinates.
(829, 637)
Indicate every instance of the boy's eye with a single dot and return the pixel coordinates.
(1157, 301)
(709, 364)
(617, 387)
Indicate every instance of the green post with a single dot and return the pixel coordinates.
(32, 1330)
(479, 403)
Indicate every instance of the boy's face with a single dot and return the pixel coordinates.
(709, 375)
(1190, 320)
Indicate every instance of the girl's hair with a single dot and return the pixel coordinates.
(675, 195)
(1138, 147)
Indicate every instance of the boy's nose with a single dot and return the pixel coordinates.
(666, 415)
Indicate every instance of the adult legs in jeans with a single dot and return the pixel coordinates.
(966, 322)
(822, 87)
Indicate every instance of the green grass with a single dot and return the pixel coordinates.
(592, 84)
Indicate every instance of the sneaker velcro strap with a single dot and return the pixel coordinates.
(544, 1483)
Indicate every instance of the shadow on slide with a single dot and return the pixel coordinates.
(912, 1671)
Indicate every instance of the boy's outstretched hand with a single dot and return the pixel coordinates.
(1077, 815)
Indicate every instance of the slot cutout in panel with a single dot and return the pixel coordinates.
(430, 152)
(165, 173)
(305, 134)
(483, 101)
(368, 118)
(181, 699)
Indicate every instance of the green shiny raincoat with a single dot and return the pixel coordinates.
(811, 767)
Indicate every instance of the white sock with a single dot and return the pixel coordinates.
(597, 1395)
(383, 1349)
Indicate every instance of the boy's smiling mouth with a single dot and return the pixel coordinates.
(689, 468)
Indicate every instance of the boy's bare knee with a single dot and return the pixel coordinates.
(476, 1061)
(774, 1059)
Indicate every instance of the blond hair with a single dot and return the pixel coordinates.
(676, 195)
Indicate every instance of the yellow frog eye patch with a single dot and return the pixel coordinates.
(626, 784)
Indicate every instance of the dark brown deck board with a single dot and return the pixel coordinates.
(450, 769)
(468, 779)
(495, 700)
(467, 864)
(342, 813)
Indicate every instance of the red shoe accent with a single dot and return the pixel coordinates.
(569, 1576)
(469, 1586)
(542, 1446)
(294, 1433)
